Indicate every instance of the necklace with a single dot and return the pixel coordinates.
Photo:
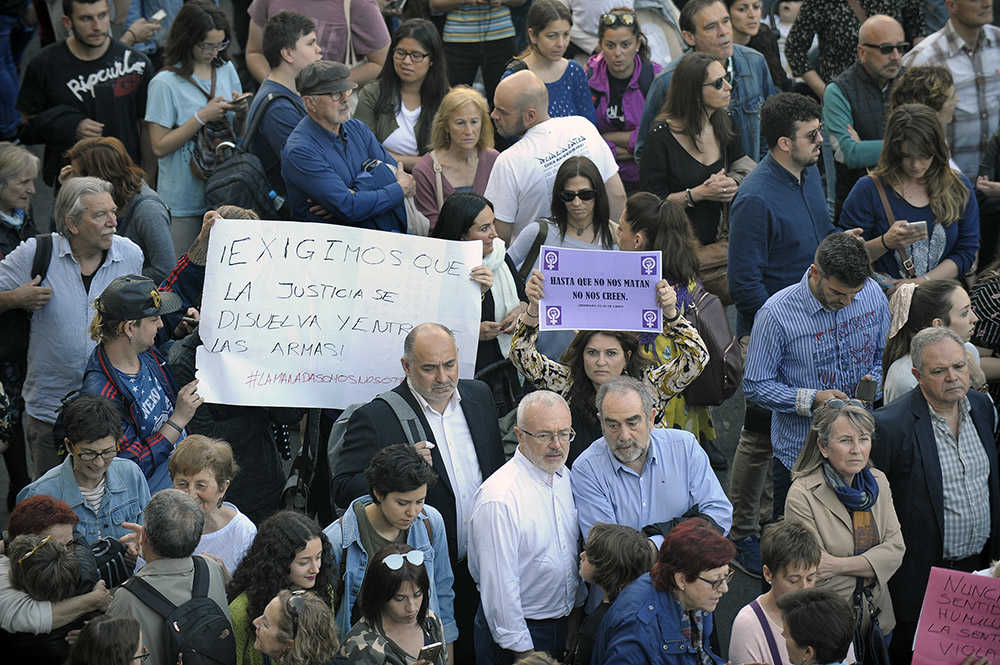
(580, 230)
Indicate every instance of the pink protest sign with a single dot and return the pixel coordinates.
(960, 617)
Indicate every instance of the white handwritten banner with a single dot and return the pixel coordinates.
(314, 315)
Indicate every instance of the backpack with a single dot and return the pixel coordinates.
(724, 371)
(198, 629)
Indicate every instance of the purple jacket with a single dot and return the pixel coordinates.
(633, 101)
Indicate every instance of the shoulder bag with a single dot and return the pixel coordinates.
(904, 257)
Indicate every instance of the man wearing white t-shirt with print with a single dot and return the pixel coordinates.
(520, 185)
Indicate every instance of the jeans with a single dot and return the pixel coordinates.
(546, 635)
(782, 482)
(465, 58)
(41, 446)
(14, 37)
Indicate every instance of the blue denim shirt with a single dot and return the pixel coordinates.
(125, 497)
(343, 535)
(751, 86)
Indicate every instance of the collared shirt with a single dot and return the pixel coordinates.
(977, 85)
(454, 442)
(798, 347)
(676, 476)
(523, 550)
(964, 472)
(60, 346)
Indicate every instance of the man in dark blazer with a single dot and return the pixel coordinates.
(470, 453)
(919, 438)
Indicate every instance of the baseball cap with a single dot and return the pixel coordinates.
(131, 297)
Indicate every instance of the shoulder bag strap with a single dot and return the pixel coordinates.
(408, 418)
(439, 189)
(199, 588)
(149, 596)
(427, 525)
(859, 11)
(536, 246)
(350, 56)
(251, 129)
(766, 627)
(904, 257)
(209, 95)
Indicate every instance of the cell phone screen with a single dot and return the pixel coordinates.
(430, 652)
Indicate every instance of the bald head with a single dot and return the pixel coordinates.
(878, 32)
(880, 29)
(520, 102)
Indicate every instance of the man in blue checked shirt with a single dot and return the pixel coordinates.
(812, 342)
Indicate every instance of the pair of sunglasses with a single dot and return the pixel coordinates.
(887, 49)
(395, 561)
(295, 606)
(568, 195)
(611, 19)
(717, 83)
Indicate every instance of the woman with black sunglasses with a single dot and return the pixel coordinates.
(395, 625)
(296, 628)
(693, 155)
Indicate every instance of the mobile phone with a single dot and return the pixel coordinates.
(917, 226)
(866, 389)
(430, 652)
(159, 16)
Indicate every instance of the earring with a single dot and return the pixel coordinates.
(635, 244)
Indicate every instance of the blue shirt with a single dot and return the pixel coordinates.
(797, 348)
(569, 94)
(125, 497)
(776, 223)
(279, 119)
(326, 167)
(676, 476)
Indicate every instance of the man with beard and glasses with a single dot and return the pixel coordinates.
(463, 446)
(88, 85)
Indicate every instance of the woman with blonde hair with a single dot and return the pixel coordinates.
(296, 628)
(461, 155)
(913, 182)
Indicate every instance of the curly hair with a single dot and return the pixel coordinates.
(582, 393)
(43, 568)
(37, 514)
(926, 84)
(316, 637)
(690, 548)
(264, 570)
(105, 157)
(106, 640)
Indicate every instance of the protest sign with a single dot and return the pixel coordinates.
(592, 289)
(314, 315)
(960, 616)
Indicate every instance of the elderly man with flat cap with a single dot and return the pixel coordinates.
(334, 162)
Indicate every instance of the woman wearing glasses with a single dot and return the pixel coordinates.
(197, 88)
(665, 616)
(395, 620)
(693, 155)
(399, 105)
(296, 629)
(393, 512)
(619, 77)
(837, 494)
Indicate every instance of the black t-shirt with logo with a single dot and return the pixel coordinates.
(59, 90)
(616, 112)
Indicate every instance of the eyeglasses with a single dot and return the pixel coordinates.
(887, 49)
(815, 136)
(718, 83)
(612, 19)
(549, 437)
(395, 561)
(221, 46)
(342, 95)
(34, 549)
(568, 195)
(841, 403)
(91, 455)
(295, 606)
(415, 56)
(717, 584)
(144, 656)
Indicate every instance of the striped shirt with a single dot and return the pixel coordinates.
(977, 85)
(797, 348)
(964, 472)
(472, 24)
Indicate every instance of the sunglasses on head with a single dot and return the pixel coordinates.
(612, 19)
(887, 49)
(295, 606)
(841, 403)
(395, 561)
(568, 195)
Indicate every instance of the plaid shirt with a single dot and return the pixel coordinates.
(964, 472)
(977, 84)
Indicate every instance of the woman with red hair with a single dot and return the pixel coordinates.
(665, 616)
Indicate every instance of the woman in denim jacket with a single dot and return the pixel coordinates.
(393, 512)
(102, 489)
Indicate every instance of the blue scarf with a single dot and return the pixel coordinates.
(859, 495)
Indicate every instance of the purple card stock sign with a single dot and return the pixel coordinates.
(591, 289)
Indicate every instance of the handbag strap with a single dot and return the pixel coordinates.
(439, 188)
(766, 627)
(350, 56)
(210, 95)
(859, 11)
(904, 257)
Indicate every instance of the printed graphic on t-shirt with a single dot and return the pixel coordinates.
(125, 73)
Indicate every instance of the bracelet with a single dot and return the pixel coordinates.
(198, 118)
(135, 40)
(171, 423)
(884, 246)
(689, 197)
(677, 315)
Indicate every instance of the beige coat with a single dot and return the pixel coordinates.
(812, 502)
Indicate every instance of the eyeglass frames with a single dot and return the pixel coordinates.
(415, 56)
(717, 584)
(395, 561)
(612, 19)
(568, 195)
(91, 455)
(295, 606)
(841, 403)
(221, 46)
(887, 49)
(549, 437)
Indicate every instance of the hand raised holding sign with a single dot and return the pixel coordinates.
(666, 299)
(534, 288)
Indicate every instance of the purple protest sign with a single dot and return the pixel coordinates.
(592, 289)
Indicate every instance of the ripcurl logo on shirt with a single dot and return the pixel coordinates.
(124, 72)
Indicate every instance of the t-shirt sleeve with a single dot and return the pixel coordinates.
(160, 106)
(258, 12)
(501, 187)
(280, 119)
(368, 28)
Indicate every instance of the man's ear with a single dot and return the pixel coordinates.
(688, 38)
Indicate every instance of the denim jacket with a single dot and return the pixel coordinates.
(125, 497)
(643, 625)
(345, 540)
(632, 103)
(751, 86)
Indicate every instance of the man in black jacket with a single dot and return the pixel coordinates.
(463, 445)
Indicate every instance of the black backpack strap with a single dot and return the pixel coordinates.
(149, 596)
(202, 578)
(645, 76)
(43, 255)
(254, 121)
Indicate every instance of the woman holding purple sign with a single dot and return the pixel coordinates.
(597, 356)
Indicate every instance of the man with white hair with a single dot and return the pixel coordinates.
(523, 540)
(84, 255)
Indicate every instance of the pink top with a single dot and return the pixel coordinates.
(426, 196)
(368, 30)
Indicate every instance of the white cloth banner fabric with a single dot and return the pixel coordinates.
(314, 315)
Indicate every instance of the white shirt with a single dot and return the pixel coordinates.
(523, 549)
(231, 542)
(520, 185)
(454, 442)
(403, 139)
